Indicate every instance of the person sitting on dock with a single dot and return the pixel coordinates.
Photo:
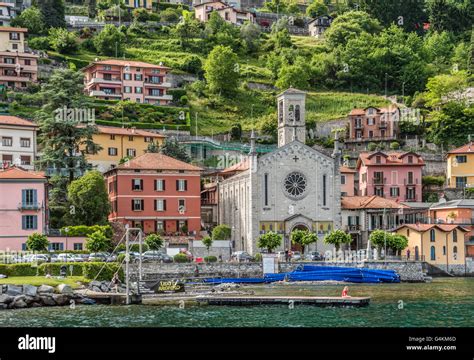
(345, 292)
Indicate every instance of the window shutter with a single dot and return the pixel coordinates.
(61, 246)
(132, 185)
(185, 185)
(164, 205)
(132, 205)
(143, 204)
(23, 222)
(35, 222)
(156, 184)
(23, 196)
(164, 183)
(155, 204)
(35, 196)
(177, 185)
(141, 184)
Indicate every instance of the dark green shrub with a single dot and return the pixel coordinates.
(210, 259)
(258, 257)
(91, 270)
(18, 270)
(372, 146)
(180, 258)
(394, 145)
(54, 269)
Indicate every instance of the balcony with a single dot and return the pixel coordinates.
(103, 93)
(353, 228)
(410, 182)
(383, 125)
(29, 206)
(104, 81)
(159, 97)
(161, 84)
(370, 139)
(358, 126)
(379, 181)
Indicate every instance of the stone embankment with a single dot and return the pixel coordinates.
(24, 296)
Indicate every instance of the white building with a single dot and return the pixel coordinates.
(293, 187)
(7, 13)
(17, 142)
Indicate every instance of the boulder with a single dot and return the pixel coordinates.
(45, 289)
(19, 297)
(96, 289)
(30, 290)
(20, 304)
(35, 304)
(104, 287)
(14, 290)
(47, 300)
(3, 306)
(64, 289)
(61, 299)
(95, 283)
(5, 299)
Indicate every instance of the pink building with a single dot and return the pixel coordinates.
(23, 206)
(127, 80)
(348, 181)
(396, 176)
(228, 13)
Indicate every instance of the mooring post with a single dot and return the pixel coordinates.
(127, 270)
(140, 238)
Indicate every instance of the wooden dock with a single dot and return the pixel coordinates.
(111, 298)
(283, 300)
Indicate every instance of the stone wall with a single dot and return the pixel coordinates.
(410, 271)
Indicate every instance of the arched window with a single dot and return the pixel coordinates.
(455, 252)
(297, 113)
(291, 112)
(444, 250)
(280, 111)
(432, 235)
(455, 235)
(433, 253)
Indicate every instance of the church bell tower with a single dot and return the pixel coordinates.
(291, 116)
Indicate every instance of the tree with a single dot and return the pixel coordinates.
(186, 29)
(153, 147)
(398, 243)
(32, 19)
(171, 147)
(296, 75)
(380, 238)
(250, 34)
(269, 241)
(53, 12)
(60, 135)
(91, 8)
(88, 198)
(451, 15)
(317, 8)
(97, 242)
(337, 238)
(221, 70)
(154, 241)
(236, 131)
(441, 86)
(37, 242)
(62, 41)
(303, 238)
(221, 232)
(110, 41)
(207, 241)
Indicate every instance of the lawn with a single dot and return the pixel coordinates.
(41, 280)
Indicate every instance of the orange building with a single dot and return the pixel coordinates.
(348, 181)
(156, 193)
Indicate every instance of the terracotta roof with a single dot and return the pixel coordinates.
(6, 4)
(125, 63)
(10, 28)
(345, 169)
(426, 227)
(157, 161)
(241, 166)
(18, 173)
(126, 131)
(15, 120)
(292, 90)
(210, 2)
(392, 158)
(357, 112)
(465, 149)
(370, 202)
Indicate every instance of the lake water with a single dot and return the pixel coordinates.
(446, 302)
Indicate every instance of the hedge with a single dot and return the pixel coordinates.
(55, 268)
(180, 258)
(210, 259)
(84, 230)
(90, 271)
(18, 270)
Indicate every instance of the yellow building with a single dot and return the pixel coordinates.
(440, 245)
(137, 4)
(460, 162)
(118, 143)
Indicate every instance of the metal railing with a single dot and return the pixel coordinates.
(29, 206)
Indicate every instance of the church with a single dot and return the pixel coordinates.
(293, 187)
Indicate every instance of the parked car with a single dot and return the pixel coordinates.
(97, 257)
(69, 258)
(241, 256)
(53, 258)
(85, 257)
(153, 255)
(295, 256)
(315, 256)
(37, 258)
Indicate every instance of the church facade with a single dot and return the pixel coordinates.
(293, 187)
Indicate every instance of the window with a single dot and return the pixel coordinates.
(410, 159)
(130, 138)
(370, 121)
(455, 252)
(148, 139)
(297, 113)
(138, 77)
(112, 151)
(379, 191)
(15, 46)
(107, 67)
(137, 184)
(343, 179)
(160, 225)
(181, 206)
(411, 194)
(432, 235)
(378, 159)
(127, 76)
(433, 253)
(159, 185)
(160, 205)
(444, 250)
(410, 177)
(29, 222)
(25, 160)
(7, 159)
(371, 134)
(112, 137)
(7, 141)
(55, 246)
(14, 36)
(138, 90)
(324, 190)
(8, 61)
(394, 191)
(25, 142)
(77, 246)
(28, 197)
(455, 236)
(138, 204)
(181, 185)
(155, 92)
(131, 152)
(461, 159)
(408, 232)
(27, 62)
(265, 190)
(461, 182)
(127, 89)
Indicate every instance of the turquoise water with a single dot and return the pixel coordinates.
(442, 303)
